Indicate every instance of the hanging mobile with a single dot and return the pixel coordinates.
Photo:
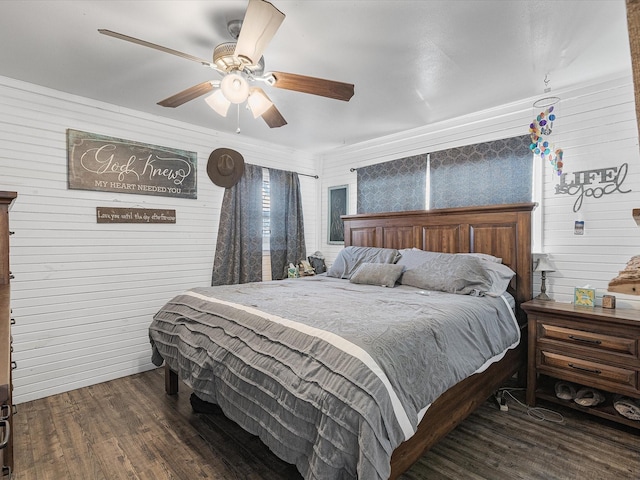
(541, 127)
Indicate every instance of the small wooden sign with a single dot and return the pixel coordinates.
(108, 164)
(134, 215)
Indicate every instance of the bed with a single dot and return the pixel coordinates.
(305, 379)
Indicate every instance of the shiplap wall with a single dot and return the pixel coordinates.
(596, 128)
(84, 293)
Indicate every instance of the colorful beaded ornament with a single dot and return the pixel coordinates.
(539, 128)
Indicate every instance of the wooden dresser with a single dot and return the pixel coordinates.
(590, 347)
(6, 363)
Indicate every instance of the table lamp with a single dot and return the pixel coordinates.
(543, 266)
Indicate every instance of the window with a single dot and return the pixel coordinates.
(266, 210)
(266, 226)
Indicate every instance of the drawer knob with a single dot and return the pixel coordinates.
(585, 369)
(592, 341)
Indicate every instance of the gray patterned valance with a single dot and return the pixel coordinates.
(393, 186)
(491, 173)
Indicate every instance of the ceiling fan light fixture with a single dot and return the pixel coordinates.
(258, 102)
(235, 87)
(218, 102)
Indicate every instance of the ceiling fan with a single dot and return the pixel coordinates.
(241, 64)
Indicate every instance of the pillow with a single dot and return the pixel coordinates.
(500, 276)
(350, 258)
(462, 274)
(383, 274)
(414, 257)
(484, 256)
(451, 273)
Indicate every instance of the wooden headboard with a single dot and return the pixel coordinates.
(500, 230)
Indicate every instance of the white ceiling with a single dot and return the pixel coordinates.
(412, 62)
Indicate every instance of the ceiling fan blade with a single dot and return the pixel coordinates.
(156, 47)
(313, 85)
(187, 95)
(260, 24)
(274, 118)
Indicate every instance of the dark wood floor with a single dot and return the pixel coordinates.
(129, 429)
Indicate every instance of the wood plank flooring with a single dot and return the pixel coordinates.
(130, 429)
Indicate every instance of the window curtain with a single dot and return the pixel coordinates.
(490, 173)
(286, 238)
(238, 257)
(393, 186)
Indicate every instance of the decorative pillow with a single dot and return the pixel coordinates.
(350, 258)
(383, 274)
(452, 273)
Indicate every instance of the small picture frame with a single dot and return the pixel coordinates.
(338, 203)
(584, 297)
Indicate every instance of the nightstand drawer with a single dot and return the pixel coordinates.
(588, 369)
(585, 338)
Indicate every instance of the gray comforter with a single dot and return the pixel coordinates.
(332, 376)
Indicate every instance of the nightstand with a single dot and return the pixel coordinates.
(591, 347)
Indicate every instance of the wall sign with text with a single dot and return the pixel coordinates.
(107, 164)
(134, 215)
(594, 183)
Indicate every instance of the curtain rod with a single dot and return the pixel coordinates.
(291, 171)
(353, 169)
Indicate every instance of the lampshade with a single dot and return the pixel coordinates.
(258, 102)
(235, 88)
(544, 265)
(218, 102)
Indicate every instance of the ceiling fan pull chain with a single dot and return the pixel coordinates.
(238, 129)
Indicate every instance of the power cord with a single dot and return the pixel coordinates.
(537, 413)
